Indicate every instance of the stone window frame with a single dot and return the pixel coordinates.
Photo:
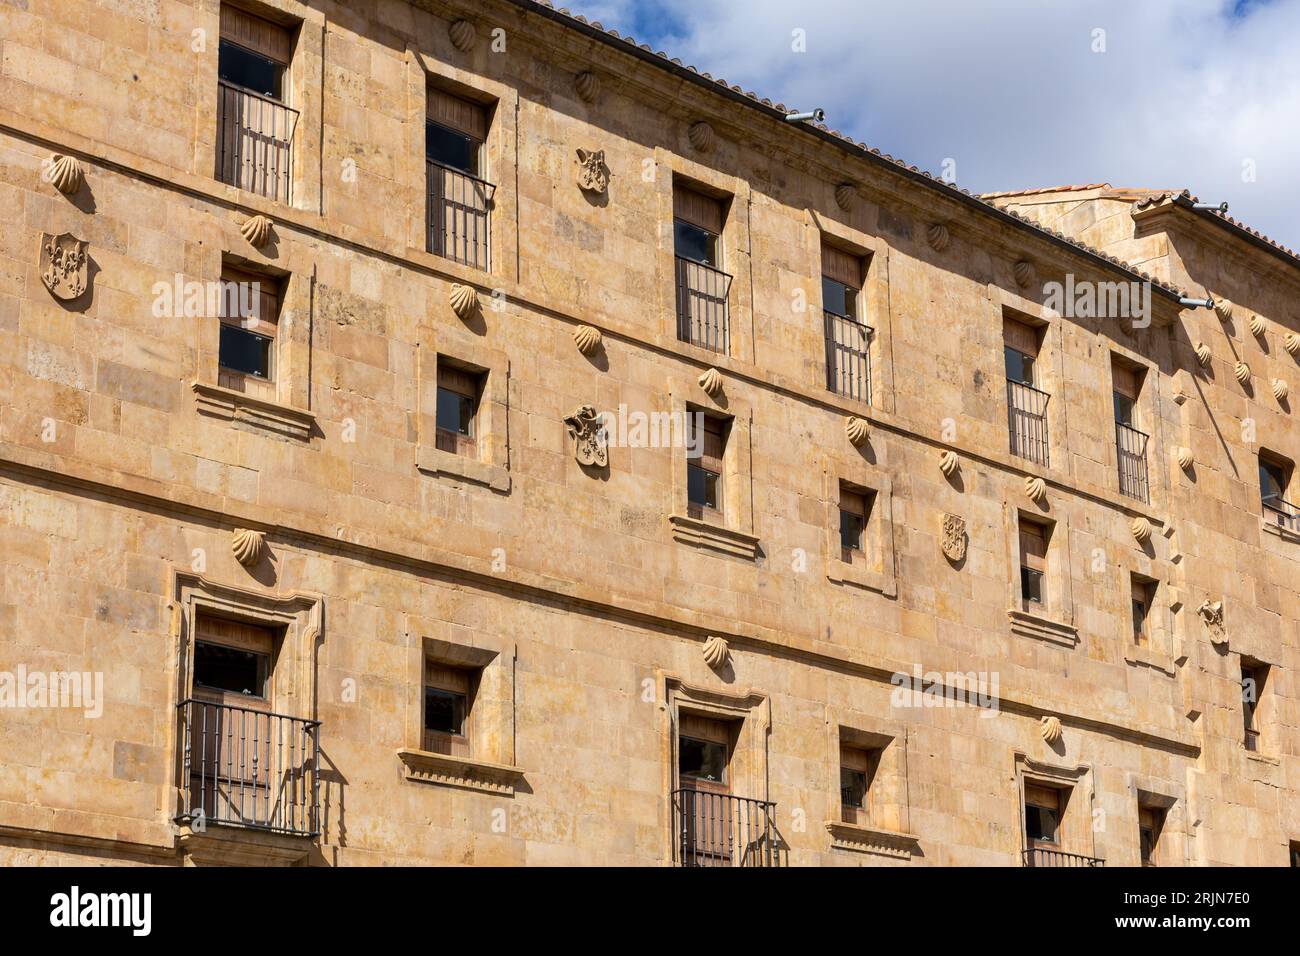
(1165, 650)
(736, 258)
(737, 534)
(1267, 716)
(749, 759)
(491, 765)
(424, 70)
(288, 414)
(304, 79)
(1077, 833)
(1288, 462)
(881, 575)
(876, 306)
(1055, 624)
(890, 784)
(1150, 414)
(492, 467)
(1171, 799)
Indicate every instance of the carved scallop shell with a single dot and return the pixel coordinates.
(845, 193)
(463, 299)
(1242, 371)
(248, 546)
(1257, 325)
(257, 230)
(1050, 728)
(66, 174)
(936, 234)
(857, 430)
(1184, 457)
(715, 652)
(711, 381)
(1024, 273)
(1292, 343)
(701, 136)
(1203, 354)
(1224, 308)
(588, 85)
(462, 35)
(587, 339)
(949, 462)
(1141, 529)
(1035, 488)
(1280, 389)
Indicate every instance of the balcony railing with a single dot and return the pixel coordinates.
(460, 209)
(848, 357)
(1282, 513)
(1042, 856)
(718, 829)
(248, 768)
(1027, 421)
(702, 305)
(254, 141)
(1131, 448)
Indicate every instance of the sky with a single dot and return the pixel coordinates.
(1014, 94)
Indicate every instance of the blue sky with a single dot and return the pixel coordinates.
(1198, 94)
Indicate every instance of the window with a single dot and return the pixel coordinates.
(1295, 853)
(848, 340)
(1151, 821)
(448, 697)
(702, 287)
(459, 390)
(1033, 563)
(1043, 808)
(249, 314)
(459, 199)
(704, 469)
(858, 768)
(1026, 402)
(255, 126)
(1254, 680)
(855, 506)
(1130, 442)
(1275, 475)
(218, 667)
(1142, 594)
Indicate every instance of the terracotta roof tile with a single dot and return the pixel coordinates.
(1045, 189)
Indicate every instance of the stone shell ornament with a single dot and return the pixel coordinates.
(1050, 728)
(256, 230)
(936, 234)
(711, 381)
(587, 84)
(66, 174)
(857, 431)
(248, 546)
(715, 652)
(462, 35)
(1141, 529)
(1242, 371)
(1203, 354)
(701, 136)
(1036, 489)
(463, 299)
(949, 463)
(587, 339)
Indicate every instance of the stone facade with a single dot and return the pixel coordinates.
(598, 614)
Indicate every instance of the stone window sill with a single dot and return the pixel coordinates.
(1042, 628)
(702, 534)
(859, 575)
(868, 839)
(1268, 759)
(421, 766)
(282, 421)
(445, 464)
(1139, 656)
(1286, 534)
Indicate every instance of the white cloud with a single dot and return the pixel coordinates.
(1184, 94)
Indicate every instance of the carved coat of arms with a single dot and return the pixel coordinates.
(954, 537)
(63, 265)
(1212, 615)
(590, 443)
(593, 174)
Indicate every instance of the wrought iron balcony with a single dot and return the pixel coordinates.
(1282, 513)
(254, 141)
(848, 356)
(702, 305)
(718, 829)
(460, 209)
(1027, 421)
(1044, 856)
(248, 768)
(1131, 454)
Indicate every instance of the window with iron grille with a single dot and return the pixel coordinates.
(1130, 440)
(702, 287)
(848, 338)
(1026, 401)
(460, 198)
(255, 124)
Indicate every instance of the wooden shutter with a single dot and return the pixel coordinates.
(245, 637)
(1039, 796)
(1021, 337)
(252, 32)
(842, 266)
(697, 209)
(458, 381)
(1125, 379)
(458, 114)
(1033, 546)
(441, 677)
(854, 502)
(234, 299)
(705, 728)
(715, 444)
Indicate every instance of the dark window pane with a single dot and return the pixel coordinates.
(701, 486)
(455, 412)
(839, 298)
(1123, 409)
(218, 667)
(1040, 824)
(1272, 482)
(451, 148)
(853, 788)
(444, 711)
(1020, 367)
(851, 528)
(1031, 585)
(249, 70)
(692, 242)
(1148, 840)
(702, 759)
(244, 351)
